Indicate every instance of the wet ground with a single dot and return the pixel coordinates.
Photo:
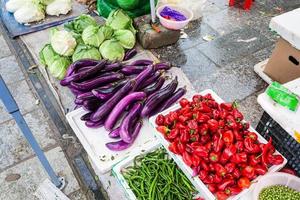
(240, 39)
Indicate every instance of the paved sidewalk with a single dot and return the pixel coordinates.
(20, 170)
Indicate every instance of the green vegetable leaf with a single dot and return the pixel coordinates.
(85, 51)
(91, 35)
(125, 38)
(80, 23)
(112, 50)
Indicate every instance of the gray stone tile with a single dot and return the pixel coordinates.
(32, 174)
(14, 147)
(233, 46)
(220, 4)
(264, 54)
(23, 96)
(210, 8)
(4, 50)
(78, 195)
(10, 70)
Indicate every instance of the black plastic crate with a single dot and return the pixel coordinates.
(282, 141)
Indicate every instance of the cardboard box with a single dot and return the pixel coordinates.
(284, 64)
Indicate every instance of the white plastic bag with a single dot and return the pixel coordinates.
(196, 6)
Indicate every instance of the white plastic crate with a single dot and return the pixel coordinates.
(200, 186)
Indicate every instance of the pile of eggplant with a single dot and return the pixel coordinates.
(113, 92)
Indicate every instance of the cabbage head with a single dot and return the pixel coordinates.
(92, 35)
(62, 42)
(13, 5)
(112, 50)
(80, 23)
(125, 38)
(30, 12)
(86, 51)
(118, 19)
(107, 32)
(47, 55)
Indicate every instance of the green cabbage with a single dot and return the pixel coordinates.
(118, 19)
(85, 51)
(62, 42)
(107, 32)
(128, 4)
(112, 50)
(91, 35)
(125, 38)
(57, 65)
(80, 23)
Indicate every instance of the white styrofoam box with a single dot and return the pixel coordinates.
(259, 69)
(94, 140)
(287, 26)
(199, 184)
(117, 170)
(286, 118)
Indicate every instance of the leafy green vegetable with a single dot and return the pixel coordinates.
(112, 50)
(128, 4)
(62, 42)
(125, 38)
(85, 51)
(107, 32)
(47, 55)
(91, 35)
(120, 20)
(80, 23)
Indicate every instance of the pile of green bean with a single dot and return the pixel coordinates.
(279, 192)
(154, 176)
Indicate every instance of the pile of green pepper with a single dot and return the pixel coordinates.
(279, 192)
(155, 176)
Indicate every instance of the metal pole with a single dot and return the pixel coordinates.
(13, 109)
(152, 6)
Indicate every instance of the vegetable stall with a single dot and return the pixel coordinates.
(141, 119)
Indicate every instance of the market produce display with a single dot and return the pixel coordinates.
(27, 11)
(279, 192)
(217, 144)
(155, 176)
(83, 38)
(118, 96)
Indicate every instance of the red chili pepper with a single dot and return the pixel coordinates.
(221, 195)
(239, 158)
(195, 160)
(244, 182)
(288, 170)
(218, 144)
(250, 147)
(200, 117)
(197, 98)
(181, 147)
(226, 106)
(231, 122)
(212, 187)
(208, 96)
(254, 160)
(217, 178)
(173, 134)
(213, 125)
(204, 139)
(230, 167)
(239, 146)
(248, 172)
(160, 120)
(184, 102)
(229, 151)
(173, 148)
(252, 135)
(229, 176)
(238, 116)
(187, 159)
(201, 151)
(204, 165)
(195, 138)
(236, 173)
(173, 116)
(203, 107)
(265, 151)
(225, 183)
(237, 135)
(216, 114)
(208, 179)
(179, 125)
(203, 129)
(221, 123)
(208, 146)
(223, 114)
(220, 170)
(214, 157)
(182, 118)
(184, 135)
(202, 174)
(275, 159)
(232, 191)
(260, 170)
(211, 167)
(168, 121)
(185, 110)
(195, 144)
(228, 137)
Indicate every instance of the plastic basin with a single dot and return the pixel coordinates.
(174, 25)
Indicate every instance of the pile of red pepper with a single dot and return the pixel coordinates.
(216, 143)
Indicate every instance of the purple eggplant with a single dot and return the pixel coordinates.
(102, 96)
(151, 79)
(120, 107)
(132, 69)
(159, 97)
(99, 80)
(104, 110)
(82, 75)
(86, 116)
(78, 101)
(79, 64)
(127, 122)
(162, 65)
(85, 96)
(91, 105)
(75, 91)
(142, 62)
(121, 145)
(156, 86)
(114, 133)
(129, 54)
(92, 124)
(142, 77)
(177, 95)
(112, 88)
(84, 69)
(112, 67)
